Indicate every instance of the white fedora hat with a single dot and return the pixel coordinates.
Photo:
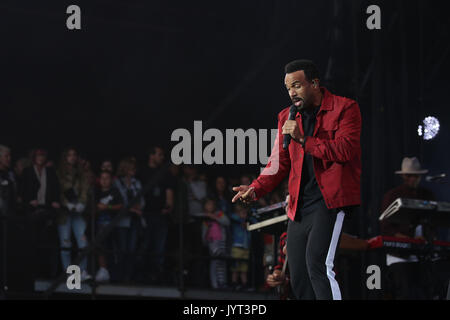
(411, 166)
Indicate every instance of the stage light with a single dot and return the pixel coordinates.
(429, 129)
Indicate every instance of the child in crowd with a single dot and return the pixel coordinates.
(240, 246)
(214, 236)
(108, 203)
(105, 165)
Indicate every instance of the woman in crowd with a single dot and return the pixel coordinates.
(214, 236)
(222, 196)
(74, 184)
(196, 194)
(128, 226)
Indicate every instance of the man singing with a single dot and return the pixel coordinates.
(324, 165)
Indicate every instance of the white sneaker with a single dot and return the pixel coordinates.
(85, 276)
(102, 275)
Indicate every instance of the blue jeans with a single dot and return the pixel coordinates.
(77, 224)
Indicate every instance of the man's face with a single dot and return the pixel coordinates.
(72, 157)
(105, 180)
(299, 88)
(40, 159)
(158, 156)
(411, 180)
(220, 184)
(5, 159)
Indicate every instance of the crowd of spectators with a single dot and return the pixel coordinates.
(157, 221)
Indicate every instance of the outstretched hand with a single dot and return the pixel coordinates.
(245, 193)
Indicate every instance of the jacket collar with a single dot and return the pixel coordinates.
(327, 101)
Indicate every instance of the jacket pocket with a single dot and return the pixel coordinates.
(327, 130)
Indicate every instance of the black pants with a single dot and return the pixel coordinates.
(194, 247)
(312, 242)
(154, 241)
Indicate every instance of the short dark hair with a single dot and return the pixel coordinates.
(308, 67)
(240, 205)
(106, 172)
(152, 150)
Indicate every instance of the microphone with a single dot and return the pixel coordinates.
(287, 137)
(292, 112)
(437, 177)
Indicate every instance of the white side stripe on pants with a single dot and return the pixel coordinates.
(330, 256)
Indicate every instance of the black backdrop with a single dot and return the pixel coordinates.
(140, 69)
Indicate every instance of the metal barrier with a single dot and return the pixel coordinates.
(96, 245)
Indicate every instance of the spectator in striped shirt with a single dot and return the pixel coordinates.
(214, 236)
(240, 247)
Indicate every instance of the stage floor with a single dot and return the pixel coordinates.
(115, 291)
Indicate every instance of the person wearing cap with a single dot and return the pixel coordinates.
(404, 273)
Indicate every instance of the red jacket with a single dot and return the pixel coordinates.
(335, 147)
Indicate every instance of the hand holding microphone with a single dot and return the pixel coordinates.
(290, 128)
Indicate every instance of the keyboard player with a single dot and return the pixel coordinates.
(405, 274)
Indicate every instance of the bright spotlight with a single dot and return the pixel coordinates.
(429, 128)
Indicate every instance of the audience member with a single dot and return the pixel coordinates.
(214, 236)
(159, 200)
(127, 228)
(74, 196)
(196, 194)
(240, 247)
(108, 203)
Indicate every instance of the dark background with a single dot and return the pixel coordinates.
(140, 69)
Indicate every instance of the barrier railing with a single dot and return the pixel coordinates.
(96, 247)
